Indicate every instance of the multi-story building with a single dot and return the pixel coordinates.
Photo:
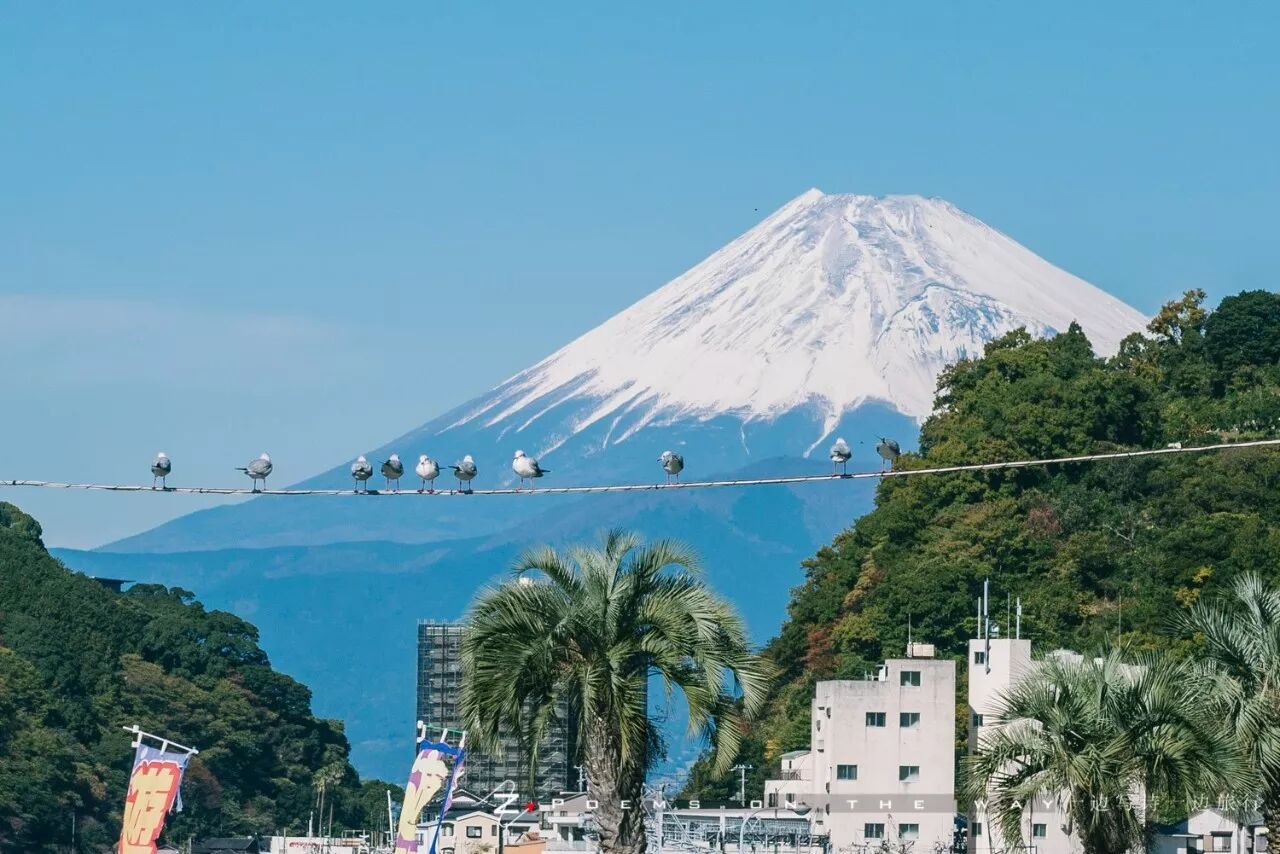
(995, 666)
(439, 684)
(881, 763)
(795, 780)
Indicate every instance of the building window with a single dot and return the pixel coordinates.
(818, 724)
(474, 832)
(873, 831)
(846, 772)
(493, 831)
(1038, 831)
(977, 828)
(772, 800)
(446, 851)
(977, 719)
(1222, 842)
(979, 657)
(909, 677)
(875, 718)
(909, 831)
(907, 720)
(447, 830)
(908, 773)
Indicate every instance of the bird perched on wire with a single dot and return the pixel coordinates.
(888, 450)
(392, 469)
(841, 453)
(465, 471)
(672, 464)
(258, 470)
(428, 470)
(362, 470)
(160, 468)
(526, 467)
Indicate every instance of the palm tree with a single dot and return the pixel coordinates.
(1240, 638)
(1114, 742)
(589, 634)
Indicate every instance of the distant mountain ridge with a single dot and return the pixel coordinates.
(766, 349)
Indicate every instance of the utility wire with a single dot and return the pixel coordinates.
(655, 487)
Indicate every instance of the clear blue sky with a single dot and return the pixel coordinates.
(304, 228)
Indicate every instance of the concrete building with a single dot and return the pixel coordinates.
(795, 779)
(881, 764)
(1210, 831)
(439, 684)
(995, 665)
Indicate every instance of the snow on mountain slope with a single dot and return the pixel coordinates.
(831, 301)
(833, 315)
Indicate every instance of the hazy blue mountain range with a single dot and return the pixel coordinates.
(831, 317)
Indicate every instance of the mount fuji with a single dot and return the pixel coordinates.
(833, 316)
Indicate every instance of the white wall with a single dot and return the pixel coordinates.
(840, 735)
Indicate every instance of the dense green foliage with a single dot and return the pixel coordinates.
(1098, 553)
(78, 662)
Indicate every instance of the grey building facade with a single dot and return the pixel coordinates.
(439, 688)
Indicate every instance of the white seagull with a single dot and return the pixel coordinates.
(841, 453)
(465, 470)
(362, 470)
(672, 464)
(392, 469)
(258, 470)
(427, 469)
(526, 467)
(160, 469)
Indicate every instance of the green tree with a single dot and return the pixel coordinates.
(1106, 736)
(1244, 330)
(1240, 635)
(590, 632)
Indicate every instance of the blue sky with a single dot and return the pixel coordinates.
(233, 227)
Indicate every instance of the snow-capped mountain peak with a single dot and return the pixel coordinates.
(830, 302)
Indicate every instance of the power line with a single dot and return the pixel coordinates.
(654, 487)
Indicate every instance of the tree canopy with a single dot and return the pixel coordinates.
(79, 661)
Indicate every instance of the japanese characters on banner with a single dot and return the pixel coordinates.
(428, 775)
(154, 791)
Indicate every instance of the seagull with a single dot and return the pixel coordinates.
(258, 470)
(840, 455)
(465, 471)
(888, 449)
(672, 464)
(392, 469)
(361, 470)
(427, 469)
(160, 469)
(526, 467)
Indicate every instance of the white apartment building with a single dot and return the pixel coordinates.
(796, 780)
(996, 665)
(881, 764)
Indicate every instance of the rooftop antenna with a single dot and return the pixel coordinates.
(979, 618)
(910, 646)
(986, 622)
(1017, 631)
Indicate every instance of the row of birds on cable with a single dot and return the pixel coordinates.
(465, 470)
(888, 449)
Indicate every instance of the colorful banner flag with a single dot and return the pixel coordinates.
(154, 792)
(428, 775)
